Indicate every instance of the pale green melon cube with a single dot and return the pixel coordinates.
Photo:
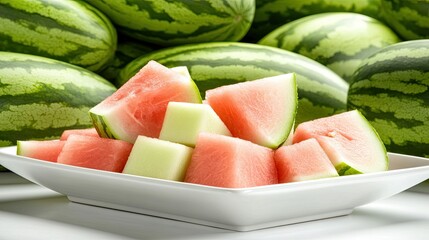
(184, 121)
(152, 157)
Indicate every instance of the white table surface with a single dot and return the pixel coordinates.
(28, 211)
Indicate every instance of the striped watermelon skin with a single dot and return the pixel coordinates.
(168, 23)
(391, 89)
(340, 41)
(321, 92)
(42, 97)
(410, 19)
(67, 30)
(271, 14)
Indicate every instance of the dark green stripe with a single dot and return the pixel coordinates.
(163, 36)
(102, 129)
(360, 93)
(339, 56)
(391, 65)
(412, 147)
(372, 113)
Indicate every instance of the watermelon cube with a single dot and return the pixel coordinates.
(152, 157)
(184, 121)
(95, 152)
(47, 150)
(302, 161)
(230, 162)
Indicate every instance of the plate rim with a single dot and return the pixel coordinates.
(177, 184)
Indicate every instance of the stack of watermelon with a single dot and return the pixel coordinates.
(156, 126)
(325, 43)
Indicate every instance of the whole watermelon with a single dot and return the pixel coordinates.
(167, 23)
(340, 41)
(42, 97)
(67, 30)
(391, 89)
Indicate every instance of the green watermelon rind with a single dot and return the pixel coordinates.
(344, 169)
(287, 129)
(101, 124)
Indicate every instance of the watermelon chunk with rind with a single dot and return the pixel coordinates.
(303, 161)
(349, 140)
(156, 158)
(95, 152)
(138, 107)
(183, 122)
(47, 150)
(261, 111)
(229, 162)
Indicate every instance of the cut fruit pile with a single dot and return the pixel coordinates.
(157, 126)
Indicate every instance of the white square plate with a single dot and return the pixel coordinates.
(241, 209)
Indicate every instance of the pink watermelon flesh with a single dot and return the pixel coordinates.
(349, 140)
(86, 132)
(139, 106)
(95, 152)
(47, 150)
(230, 162)
(302, 161)
(261, 111)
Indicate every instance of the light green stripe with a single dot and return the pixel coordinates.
(23, 81)
(402, 108)
(391, 133)
(397, 81)
(391, 54)
(42, 116)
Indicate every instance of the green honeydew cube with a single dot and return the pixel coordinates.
(184, 121)
(152, 157)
